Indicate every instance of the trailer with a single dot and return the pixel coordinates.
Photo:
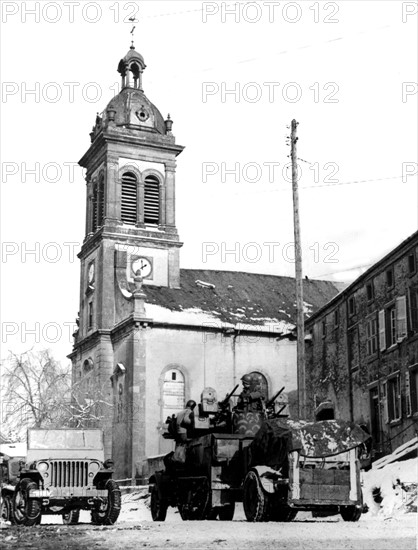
(309, 466)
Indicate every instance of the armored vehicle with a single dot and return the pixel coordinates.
(65, 472)
(296, 466)
(203, 477)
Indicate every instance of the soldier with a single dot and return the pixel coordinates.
(185, 421)
(250, 399)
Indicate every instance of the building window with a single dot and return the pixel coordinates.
(152, 200)
(173, 393)
(90, 313)
(411, 390)
(375, 417)
(371, 336)
(351, 306)
(370, 291)
(392, 323)
(393, 399)
(391, 326)
(336, 318)
(324, 328)
(100, 202)
(353, 351)
(412, 263)
(413, 309)
(390, 279)
(129, 198)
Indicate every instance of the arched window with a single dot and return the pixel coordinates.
(173, 393)
(261, 381)
(100, 202)
(129, 198)
(152, 200)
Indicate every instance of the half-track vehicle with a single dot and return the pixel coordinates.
(207, 481)
(310, 466)
(65, 472)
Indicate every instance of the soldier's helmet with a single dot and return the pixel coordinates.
(190, 404)
(246, 380)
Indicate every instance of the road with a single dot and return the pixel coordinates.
(304, 534)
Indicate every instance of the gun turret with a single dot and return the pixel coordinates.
(271, 401)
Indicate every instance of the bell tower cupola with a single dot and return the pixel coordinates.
(131, 68)
(130, 203)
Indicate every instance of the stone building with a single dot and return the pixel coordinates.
(152, 335)
(362, 351)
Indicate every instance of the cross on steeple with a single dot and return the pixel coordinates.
(133, 20)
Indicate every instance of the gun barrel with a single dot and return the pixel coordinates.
(229, 395)
(273, 399)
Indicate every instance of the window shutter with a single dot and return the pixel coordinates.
(385, 403)
(101, 203)
(413, 309)
(382, 330)
(152, 200)
(401, 331)
(129, 198)
(408, 394)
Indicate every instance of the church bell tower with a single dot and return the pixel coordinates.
(131, 239)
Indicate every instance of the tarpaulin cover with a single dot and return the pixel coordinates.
(277, 437)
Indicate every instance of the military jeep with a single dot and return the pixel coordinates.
(65, 472)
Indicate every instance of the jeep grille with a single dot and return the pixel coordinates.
(69, 473)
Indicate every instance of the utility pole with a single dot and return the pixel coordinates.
(300, 324)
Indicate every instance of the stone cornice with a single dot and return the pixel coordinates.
(93, 242)
(127, 139)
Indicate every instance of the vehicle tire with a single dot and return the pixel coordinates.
(109, 511)
(226, 512)
(195, 506)
(212, 513)
(25, 511)
(158, 505)
(256, 505)
(71, 517)
(350, 513)
(282, 513)
(6, 508)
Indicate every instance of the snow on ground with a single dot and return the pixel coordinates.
(395, 485)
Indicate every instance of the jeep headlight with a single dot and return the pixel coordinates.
(93, 468)
(43, 467)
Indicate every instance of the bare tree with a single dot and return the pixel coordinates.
(39, 394)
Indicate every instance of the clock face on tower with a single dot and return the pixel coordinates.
(143, 266)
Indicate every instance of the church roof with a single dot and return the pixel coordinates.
(233, 299)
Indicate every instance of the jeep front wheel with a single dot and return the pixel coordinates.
(109, 511)
(26, 510)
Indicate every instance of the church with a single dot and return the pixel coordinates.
(152, 335)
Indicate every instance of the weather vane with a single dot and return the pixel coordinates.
(133, 20)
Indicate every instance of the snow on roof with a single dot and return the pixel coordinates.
(230, 298)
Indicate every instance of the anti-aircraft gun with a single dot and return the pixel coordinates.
(207, 481)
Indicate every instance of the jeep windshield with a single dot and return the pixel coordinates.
(65, 439)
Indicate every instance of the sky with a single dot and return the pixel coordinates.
(232, 76)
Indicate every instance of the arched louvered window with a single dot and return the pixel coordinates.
(100, 202)
(129, 198)
(152, 200)
(94, 213)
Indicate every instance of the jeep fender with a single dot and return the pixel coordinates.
(34, 475)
